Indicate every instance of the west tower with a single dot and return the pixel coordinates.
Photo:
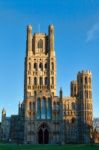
(40, 63)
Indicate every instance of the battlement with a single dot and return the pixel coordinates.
(87, 72)
(39, 34)
(73, 82)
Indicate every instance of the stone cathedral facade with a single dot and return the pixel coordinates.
(44, 117)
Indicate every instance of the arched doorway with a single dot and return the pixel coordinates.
(43, 134)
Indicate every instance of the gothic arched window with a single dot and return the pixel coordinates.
(89, 80)
(40, 43)
(49, 108)
(29, 66)
(41, 81)
(73, 120)
(73, 106)
(52, 80)
(29, 80)
(46, 66)
(46, 81)
(38, 108)
(35, 66)
(43, 108)
(86, 94)
(52, 66)
(86, 81)
(41, 66)
(35, 81)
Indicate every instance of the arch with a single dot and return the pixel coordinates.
(46, 81)
(43, 134)
(38, 108)
(90, 80)
(49, 108)
(35, 92)
(40, 43)
(86, 80)
(73, 120)
(35, 66)
(86, 94)
(46, 65)
(41, 66)
(40, 136)
(41, 81)
(35, 80)
(29, 66)
(52, 65)
(52, 80)
(43, 108)
(73, 106)
(29, 80)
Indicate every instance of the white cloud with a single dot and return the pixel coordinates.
(91, 34)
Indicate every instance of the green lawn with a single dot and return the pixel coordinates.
(48, 147)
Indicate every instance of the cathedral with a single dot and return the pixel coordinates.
(44, 117)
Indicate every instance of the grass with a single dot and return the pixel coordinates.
(48, 147)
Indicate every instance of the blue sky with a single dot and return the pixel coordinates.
(76, 43)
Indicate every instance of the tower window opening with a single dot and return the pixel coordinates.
(35, 93)
(49, 108)
(86, 94)
(41, 66)
(43, 109)
(46, 66)
(40, 43)
(52, 66)
(29, 80)
(90, 80)
(35, 81)
(46, 81)
(38, 108)
(29, 66)
(41, 81)
(52, 80)
(35, 66)
(86, 81)
(73, 120)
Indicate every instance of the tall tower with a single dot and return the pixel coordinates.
(40, 63)
(74, 88)
(52, 61)
(84, 80)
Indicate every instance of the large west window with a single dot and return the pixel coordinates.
(44, 108)
(38, 108)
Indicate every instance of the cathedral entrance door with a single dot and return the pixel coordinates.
(46, 136)
(43, 135)
(40, 136)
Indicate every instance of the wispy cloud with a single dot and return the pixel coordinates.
(92, 33)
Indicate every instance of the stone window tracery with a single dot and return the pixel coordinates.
(40, 43)
(35, 81)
